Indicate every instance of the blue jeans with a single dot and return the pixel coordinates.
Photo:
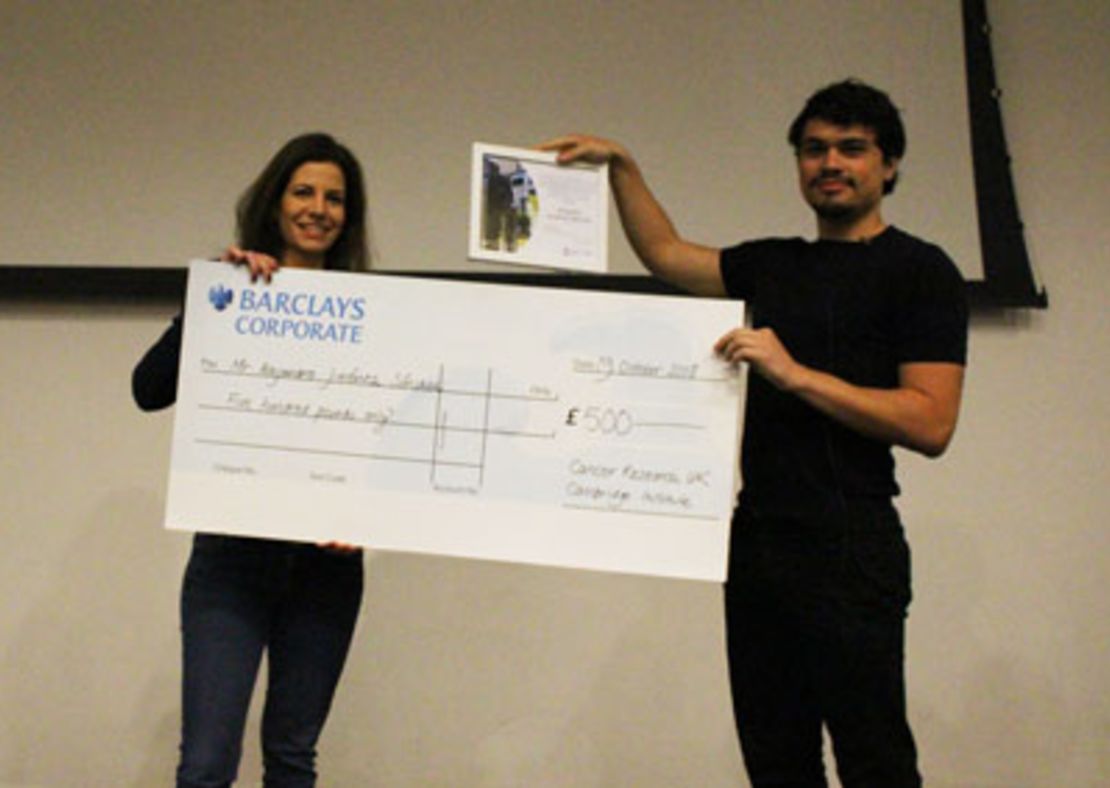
(816, 610)
(244, 596)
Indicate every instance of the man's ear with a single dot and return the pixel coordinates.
(890, 177)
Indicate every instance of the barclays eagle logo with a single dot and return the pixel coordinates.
(220, 297)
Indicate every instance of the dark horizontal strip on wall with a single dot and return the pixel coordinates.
(122, 285)
(1008, 281)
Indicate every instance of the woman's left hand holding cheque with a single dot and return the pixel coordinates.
(260, 264)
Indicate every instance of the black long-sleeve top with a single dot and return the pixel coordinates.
(154, 380)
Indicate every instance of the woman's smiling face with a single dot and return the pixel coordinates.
(312, 212)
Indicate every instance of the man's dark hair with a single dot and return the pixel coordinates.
(257, 211)
(852, 102)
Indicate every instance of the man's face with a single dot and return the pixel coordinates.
(841, 171)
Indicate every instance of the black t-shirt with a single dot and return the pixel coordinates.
(856, 310)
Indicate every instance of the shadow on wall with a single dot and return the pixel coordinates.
(488, 675)
(978, 753)
(93, 659)
(986, 727)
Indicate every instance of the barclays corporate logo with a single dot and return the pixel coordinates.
(220, 297)
(299, 316)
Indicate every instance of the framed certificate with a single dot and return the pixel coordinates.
(527, 209)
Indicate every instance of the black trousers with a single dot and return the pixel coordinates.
(815, 609)
(241, 597)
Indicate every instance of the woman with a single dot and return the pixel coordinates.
(242, 596)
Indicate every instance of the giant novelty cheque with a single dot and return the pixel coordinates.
(565, 428)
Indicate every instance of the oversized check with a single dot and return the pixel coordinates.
(579, 429)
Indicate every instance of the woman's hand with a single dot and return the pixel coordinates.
(339, 547)
(260, 265)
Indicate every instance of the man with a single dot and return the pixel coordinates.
(499, 199)
(858, 344)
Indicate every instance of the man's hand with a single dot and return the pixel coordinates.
(687, 265)
(761, 348)
(585, 148)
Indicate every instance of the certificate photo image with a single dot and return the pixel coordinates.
(525, 208)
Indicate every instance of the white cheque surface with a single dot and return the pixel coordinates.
(579, 429)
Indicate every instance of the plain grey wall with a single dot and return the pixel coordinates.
(140, 122)
(475, 674)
